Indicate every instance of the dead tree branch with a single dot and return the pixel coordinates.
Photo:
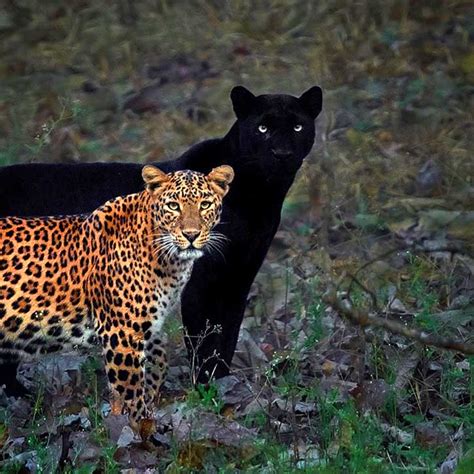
(364, 318)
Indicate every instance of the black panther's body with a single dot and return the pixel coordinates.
(265, 146)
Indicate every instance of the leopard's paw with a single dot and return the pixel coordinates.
(146, 427)
(116, 406)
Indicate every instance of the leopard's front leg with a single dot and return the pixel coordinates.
(125, 360)
(155, 368)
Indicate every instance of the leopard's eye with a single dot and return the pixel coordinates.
(174, 206)
(262, 129)
(298, 128)
(205, 204)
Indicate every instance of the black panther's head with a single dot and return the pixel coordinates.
(276, 131)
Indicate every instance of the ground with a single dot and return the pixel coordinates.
(383, 210)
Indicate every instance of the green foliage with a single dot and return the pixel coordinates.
(206, 396)
(466, 463)
(9, 154)
(417, 287)
(258, 419)
(314, 315)
(382, 368)
(85, 469)
(93, 400)
(413, 91)
(13, 467)
(35, 442)
(107, 463)
(309, 306)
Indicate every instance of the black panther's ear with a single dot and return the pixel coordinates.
(243, 101)
(312, 101)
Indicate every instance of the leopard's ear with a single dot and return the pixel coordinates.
(220, 178)
(153, 177)
(312, 101)
(243, 101)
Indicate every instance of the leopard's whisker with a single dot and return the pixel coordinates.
(212, 247)
(162, 240)
(160, 244)
(175, 251)
(164, 247)
(167, 249)
(218, 235)
(170, 251)
(221, 244)
(218, 241)
(157, 242)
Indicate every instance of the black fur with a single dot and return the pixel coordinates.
(265, 150)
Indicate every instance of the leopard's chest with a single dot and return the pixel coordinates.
(167, 294)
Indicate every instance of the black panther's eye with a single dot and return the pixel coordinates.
(262, 129)
(174, 206)
(298, 128)
(205, 204)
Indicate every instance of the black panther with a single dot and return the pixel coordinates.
(265, 146)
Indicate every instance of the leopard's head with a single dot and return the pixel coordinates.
(187, 206)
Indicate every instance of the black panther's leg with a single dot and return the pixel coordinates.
(231, 330)
(212, 322)
(8, 370)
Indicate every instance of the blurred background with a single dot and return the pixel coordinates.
(386, 195)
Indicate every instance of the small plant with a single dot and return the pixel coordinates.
(194, 344)
(13, 467)
(90, 370)
(258, 419)
(418, 289)
(107, 463)
(378, 361)
(206, 396)
(39, 444)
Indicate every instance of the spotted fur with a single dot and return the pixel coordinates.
(112, 276)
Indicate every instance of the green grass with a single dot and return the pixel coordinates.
(206, 397)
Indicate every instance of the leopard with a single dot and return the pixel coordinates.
(110, 278)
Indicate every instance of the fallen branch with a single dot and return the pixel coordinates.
(363, 319)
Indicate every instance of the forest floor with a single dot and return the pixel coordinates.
(383, 209)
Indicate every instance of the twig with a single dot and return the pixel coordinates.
(363, 318)
(364, 288)
(368, 264)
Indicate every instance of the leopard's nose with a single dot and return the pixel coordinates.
(191, 235)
